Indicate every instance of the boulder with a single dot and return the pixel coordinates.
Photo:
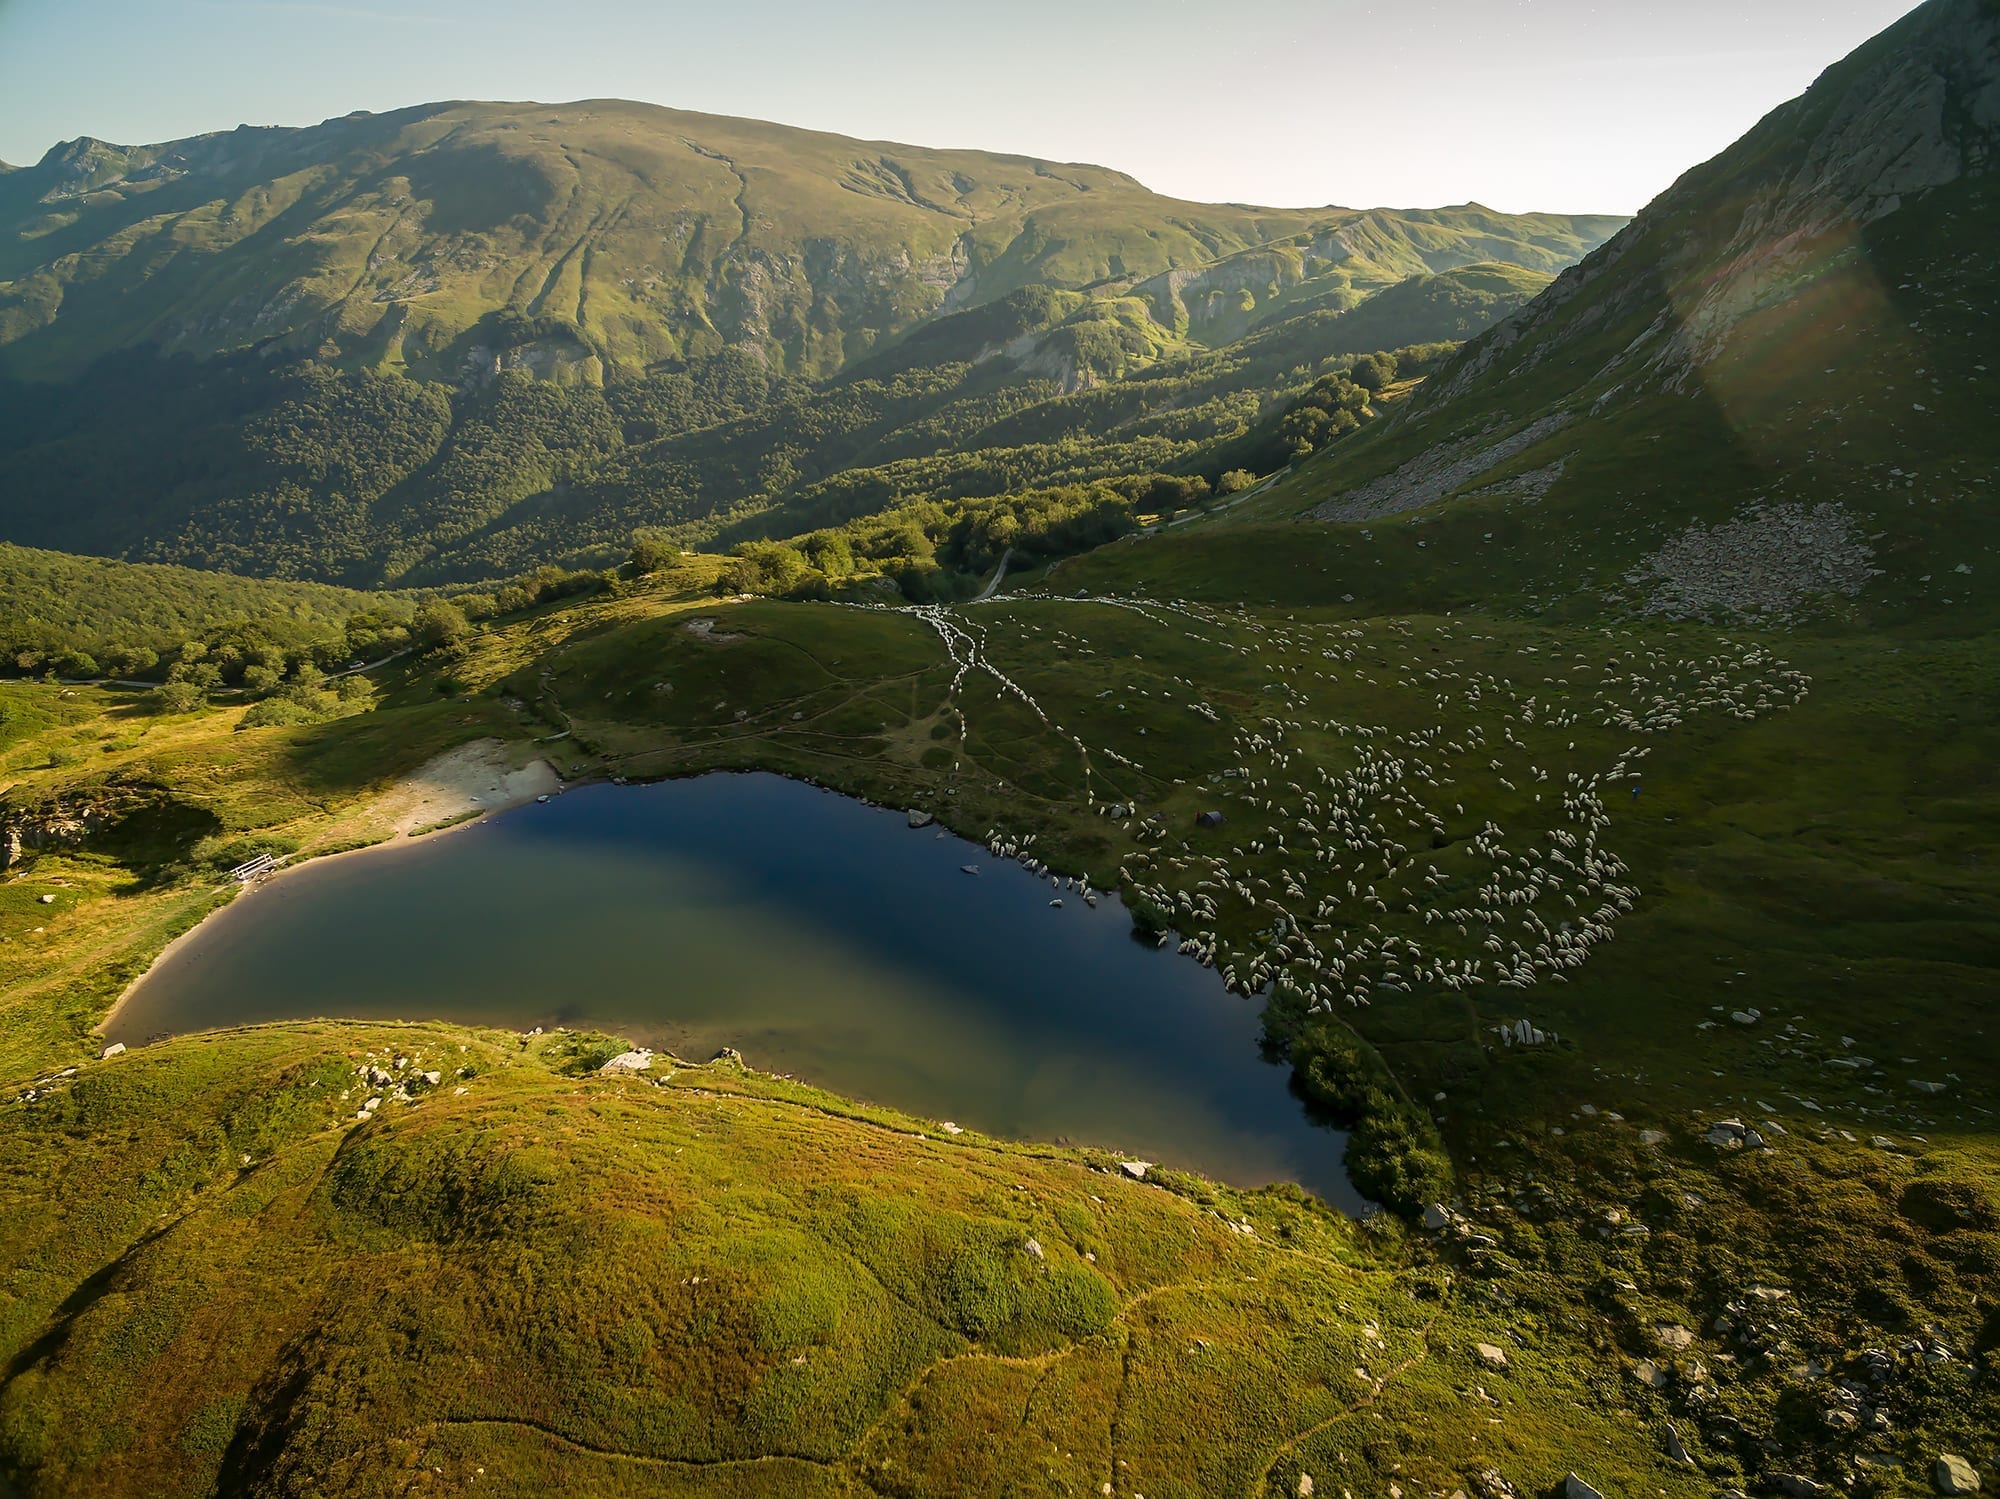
(1676, 1449)
(1492, 1357)
(116, 1048)
(1134, 1169)
(1954, 1475)
(1576, 1488)
(629, 1061)
(1435, 1217)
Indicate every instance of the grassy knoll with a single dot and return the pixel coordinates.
(708, 1281)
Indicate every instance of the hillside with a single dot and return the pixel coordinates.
(54, 602)
(463, 340)
(1772, 391)
(603, 236)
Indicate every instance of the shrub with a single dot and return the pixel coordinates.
(1394, 1154)
(176, 697)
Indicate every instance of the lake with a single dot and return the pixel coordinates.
(816, 934)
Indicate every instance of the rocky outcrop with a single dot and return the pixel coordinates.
(1441, 471)
(46, 827)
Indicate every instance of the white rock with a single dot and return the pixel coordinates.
(116, 1048)
(629, 1061)
(1134, 1169)
(1954, 1475)
(1492, 1357)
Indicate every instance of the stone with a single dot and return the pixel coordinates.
(1671, 1336)
(1492, 1357)
(1652, 1137)
(1305, 1486)
(1576, 1488)
(47, 900)
(1676, 1449)
(629, 1061)
(1134, 1169)
(1954, 1475)
(921, 819)
(1034, 1247)
(1797, 1486)
(433, 1078)
(1435, 1217)
(116, 1048)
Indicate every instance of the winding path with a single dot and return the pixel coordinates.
(993, 583)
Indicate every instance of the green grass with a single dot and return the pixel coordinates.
(1837, 854)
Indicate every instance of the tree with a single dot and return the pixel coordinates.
(649, 555)
(438, 625)
(1373, 372)
(176, 697)
(1235, 481)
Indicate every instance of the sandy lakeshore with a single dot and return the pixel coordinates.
(475, 777)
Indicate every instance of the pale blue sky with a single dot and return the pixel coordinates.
(1567, 105)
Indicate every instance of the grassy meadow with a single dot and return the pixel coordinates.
(507, 1278)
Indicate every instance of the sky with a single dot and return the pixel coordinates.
(1552, 105)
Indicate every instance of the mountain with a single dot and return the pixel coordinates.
(462, 340)
(1772, 390)
(602, 236)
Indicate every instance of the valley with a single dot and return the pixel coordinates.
(998, 835)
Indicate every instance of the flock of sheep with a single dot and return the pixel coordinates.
(1363, 858)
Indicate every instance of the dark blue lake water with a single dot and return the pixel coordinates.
(817, 935)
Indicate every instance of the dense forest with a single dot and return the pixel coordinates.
(313, 470)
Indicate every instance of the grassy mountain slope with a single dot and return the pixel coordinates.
(1772, 386)
(462, 340)
(600, 236)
